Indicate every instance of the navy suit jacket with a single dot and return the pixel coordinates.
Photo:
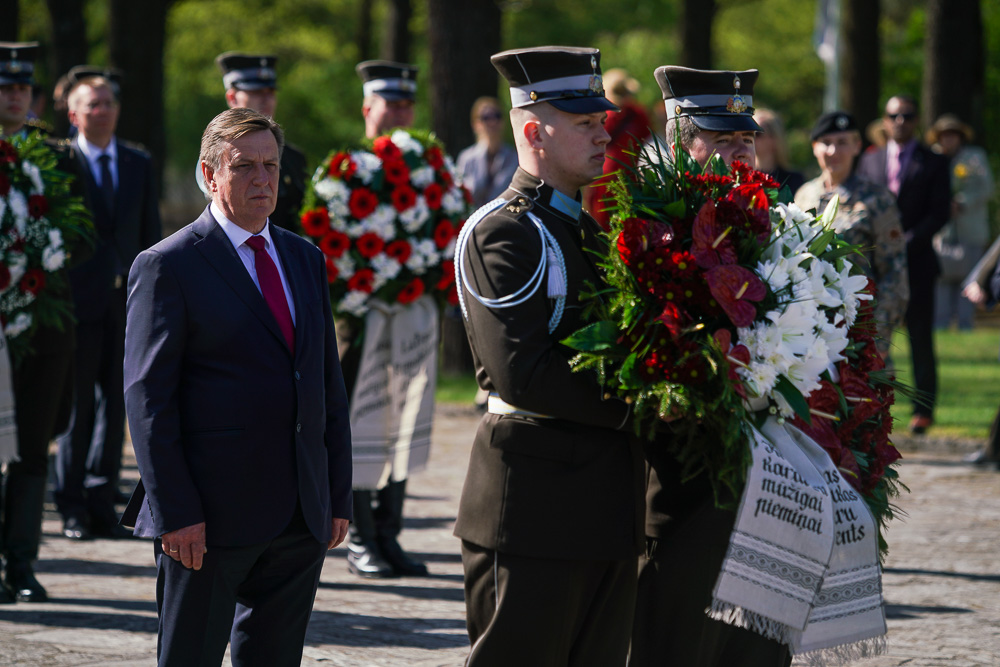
(228, 427)
(132, 226)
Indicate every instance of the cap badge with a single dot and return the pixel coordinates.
(735, 104)
(13, 54)
(14, 67)
(597, 84)
(263, 62)
(841, 122)
(406, 74)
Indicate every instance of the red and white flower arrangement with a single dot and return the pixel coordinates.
(387, 220)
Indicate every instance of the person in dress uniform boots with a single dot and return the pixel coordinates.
(251, 82)
(124, 206)
(374, 551)
(42, 383)
(686, 534)
(238, 415)
(550, 513)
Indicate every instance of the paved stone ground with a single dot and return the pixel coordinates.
(942, 580)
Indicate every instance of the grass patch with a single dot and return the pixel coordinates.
(968, 382)
(456, 388)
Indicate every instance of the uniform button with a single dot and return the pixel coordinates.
(298, 428)
(298, 376)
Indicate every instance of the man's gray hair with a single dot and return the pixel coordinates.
(93, 82)
(686, 127)
(232, 124)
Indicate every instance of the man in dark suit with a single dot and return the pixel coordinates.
(238, 414)
(920, 180)
(125, 210)
(550, 516)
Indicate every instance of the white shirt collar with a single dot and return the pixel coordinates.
(93, 152)
(236, 234)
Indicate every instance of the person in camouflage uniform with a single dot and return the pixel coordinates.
(867, 216)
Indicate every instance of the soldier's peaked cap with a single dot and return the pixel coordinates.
(389, 80)
(714, 100)
(17, 62)
(567, 77)
(247, 71)
(83, 72)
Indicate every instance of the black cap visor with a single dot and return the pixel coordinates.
(724, 122)
(588, 104)
(394, 95)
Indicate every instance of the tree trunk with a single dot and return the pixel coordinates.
(460, 72)
(364, 41)
(135, 41)
(954, 62)
(10, 10)
(860, 69)
(696, 33)
(396, 40)
(69, 48)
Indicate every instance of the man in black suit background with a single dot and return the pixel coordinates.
(920, 180)
(238, 414)
(123, 202)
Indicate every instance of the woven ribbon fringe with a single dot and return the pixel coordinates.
(8, 425)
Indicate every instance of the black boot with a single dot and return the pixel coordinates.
(363, 556)
(22, 534)
(388, 524)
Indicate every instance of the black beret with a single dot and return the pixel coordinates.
(833, 121)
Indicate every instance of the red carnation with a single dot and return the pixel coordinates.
(342, 166)
(682, 264)
(446, 178)
(396, 172)
(361, 281)
(403, 198)
(33, 281)
(433, 194)
(334, 244)
(434, 157)
(452, 297)
(386, 150)
(4, 276)
(4, 185)
(362, 203)
(38, 206)
(7, 152)
(316, 222)
(332, 272)
(369, 244)
(447, 275)
(411, 292)
(399, 250)
(443, 233)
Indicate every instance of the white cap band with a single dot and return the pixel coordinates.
(699, 101)
(375, 85)
(521, 95)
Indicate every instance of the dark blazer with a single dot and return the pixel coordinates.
(567, 487)
(133, 226)
(228, 428)
(924, 202)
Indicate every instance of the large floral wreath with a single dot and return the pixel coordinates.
(39, 221)
(725, 309)
(387, 219)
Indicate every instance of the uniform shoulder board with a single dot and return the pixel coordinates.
(519, 205)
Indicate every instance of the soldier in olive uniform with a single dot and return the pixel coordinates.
(251, 82)
(686, 534)
(867, 216)
(550, 515)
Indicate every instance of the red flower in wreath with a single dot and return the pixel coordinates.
(362, 203)
(447, 276)
(713, 238)
(403, 198)
(316, 222)
(399, 250)
(369, 245)
(332, 272)
(38, 206)
(4, 276)
(411, 292)
(734, 287)
(7, 152)
(443, 233)
(396, 172)
(342, 166)
(33, 281)
(452, 297)
(361, 281)
(433, 194)
(434, 157)
(4, 185)
(445, 177)
(334, 244)
(386, 150)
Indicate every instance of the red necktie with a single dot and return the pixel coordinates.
(270, 287)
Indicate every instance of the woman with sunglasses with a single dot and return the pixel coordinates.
(487, 166)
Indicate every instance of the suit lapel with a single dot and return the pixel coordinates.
(128, 180)
(216, 247)
(93, 191)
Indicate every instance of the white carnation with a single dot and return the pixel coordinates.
(355, 303)
(422, 176)
(414, 217)
(34, 174)
(345, 265)
(367, 165)
(18, 325)
(333, 190)
(453, 201)
(406, 143)
(385, 267)
(18, 204)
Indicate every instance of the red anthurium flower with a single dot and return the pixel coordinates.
(638, 236)
(443, 233)
(33, 281)
(361, 281)
(334, 244)
(434, 157)
(403, 197)
(433, 194)
(316, 222)
(751, 198)
(386, 150)
(399, 250)
(38, 206)
(362, 203)
(713, 242)
(735, 356)
(734, 288)
(672, 319)
(825, 399)
(332, 272)
(411, 292)
(396, 172)
(342, 166)
(369, 244)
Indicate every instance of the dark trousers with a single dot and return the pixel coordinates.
(538, 612)
(676, 579)
(90, 451)
(920, 327)
(258, 598)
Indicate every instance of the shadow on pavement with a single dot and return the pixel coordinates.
(940, 573)
(909, 611)
(357, 630)
(415, 592)
(90, 567)
(58, 618)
